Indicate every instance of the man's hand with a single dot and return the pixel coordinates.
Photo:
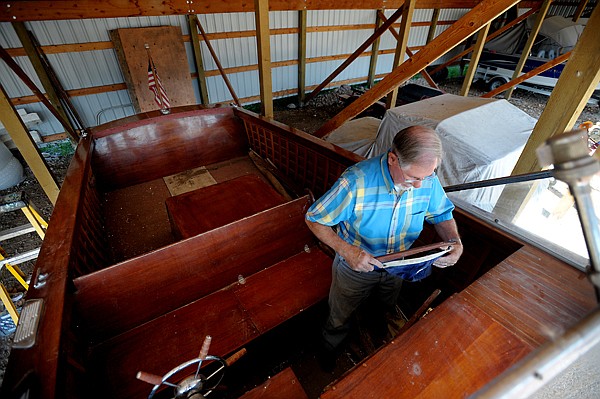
(361, 261)
(357, 259)
(451, 258)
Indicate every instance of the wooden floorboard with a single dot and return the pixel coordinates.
(136, 219)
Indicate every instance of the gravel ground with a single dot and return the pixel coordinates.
(308, 118)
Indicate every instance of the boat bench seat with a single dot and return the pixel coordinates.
(214, 206)
(120, 297)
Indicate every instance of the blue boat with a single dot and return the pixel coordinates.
(500, 57)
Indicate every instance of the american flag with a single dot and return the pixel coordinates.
(156, 87)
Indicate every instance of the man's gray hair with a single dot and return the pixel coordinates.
(416, 143)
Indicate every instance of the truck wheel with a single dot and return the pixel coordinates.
(496, 82)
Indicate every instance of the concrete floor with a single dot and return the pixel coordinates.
(581, 380)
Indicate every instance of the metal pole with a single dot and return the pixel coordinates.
(499, 181)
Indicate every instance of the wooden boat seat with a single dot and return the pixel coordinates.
(233, 317)
(210, 207)
(111, 302)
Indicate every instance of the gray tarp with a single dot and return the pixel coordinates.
(482, 138)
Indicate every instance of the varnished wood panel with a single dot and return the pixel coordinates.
(282, 385)
(451, 353)
(301, 160)
(166, 342)
(228, 316)
(210, 207)
(124, 295)
(534, 295)
(300, 284)
(150, 147)
(39, 10)
(55, 259)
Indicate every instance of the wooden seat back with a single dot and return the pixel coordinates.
(153, 145)
(125, 295)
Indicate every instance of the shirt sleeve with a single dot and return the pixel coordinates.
(335, 206)
(440, 207)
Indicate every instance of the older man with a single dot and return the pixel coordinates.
(378, 207)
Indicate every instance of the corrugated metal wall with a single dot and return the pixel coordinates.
(86, 69)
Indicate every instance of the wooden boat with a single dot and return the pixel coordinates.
(132, 278)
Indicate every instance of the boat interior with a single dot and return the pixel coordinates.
(169, 228)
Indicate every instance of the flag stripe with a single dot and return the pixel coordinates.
(156, 87)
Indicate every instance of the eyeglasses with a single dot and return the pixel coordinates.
(412, 179)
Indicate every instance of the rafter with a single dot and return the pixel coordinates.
(44, 10)
(470, 23)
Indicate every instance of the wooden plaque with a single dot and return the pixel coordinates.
(168, 53)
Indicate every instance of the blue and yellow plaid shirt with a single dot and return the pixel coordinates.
(368, 211)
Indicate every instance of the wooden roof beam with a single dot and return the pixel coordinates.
(470, 23)
(45, 10)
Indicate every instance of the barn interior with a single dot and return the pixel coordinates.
(154, 94)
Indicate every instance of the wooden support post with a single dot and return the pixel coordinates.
(301, 56)
(374, 52)
(193, 26)
(477, 50)
(20, 136)
(580, 8)
(470, 23)
(407, 15)
(433, 24)
(34, 58)
(263, 41)
(356, 53)
(571, 93)
(530, 41)
(525, 76)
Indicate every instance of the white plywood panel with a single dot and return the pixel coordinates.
(317, 72)
(104, 107)
(97, 68)
(231, 22)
